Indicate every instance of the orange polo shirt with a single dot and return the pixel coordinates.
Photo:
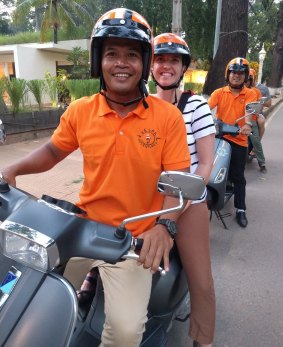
(230, 107)
(123, 157)
(257, 91)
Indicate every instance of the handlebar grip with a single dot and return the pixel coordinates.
(138, 244)
(4, 186)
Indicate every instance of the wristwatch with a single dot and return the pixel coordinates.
(249, 123)
(170, 226)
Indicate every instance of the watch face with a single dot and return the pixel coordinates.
(172, 227)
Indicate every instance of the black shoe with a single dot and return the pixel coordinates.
(241, 219)
(251, 157)
(262, 169)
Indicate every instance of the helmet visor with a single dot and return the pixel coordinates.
(237, 67)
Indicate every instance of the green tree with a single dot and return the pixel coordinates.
(79, 58)
(159, 15)
(233, 41)
(5, 6)
(198, 25)
(56, 13)
(277, 59)
(262, 30)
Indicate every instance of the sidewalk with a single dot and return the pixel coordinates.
(276, 100)
(62, 182)
(65, 179)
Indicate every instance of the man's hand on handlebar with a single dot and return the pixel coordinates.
(246, 129)
(8, 177)
(157, 244)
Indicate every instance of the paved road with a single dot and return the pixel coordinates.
(247, 263)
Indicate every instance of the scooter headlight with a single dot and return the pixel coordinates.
(28, 246)
(221, 175)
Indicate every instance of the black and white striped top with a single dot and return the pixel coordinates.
(199, 123)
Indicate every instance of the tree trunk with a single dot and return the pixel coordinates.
(55, 31)
(277, 60)
(233, 41)
(56, 22)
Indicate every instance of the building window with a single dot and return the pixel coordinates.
(7, 69)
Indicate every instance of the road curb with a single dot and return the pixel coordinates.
(267, 112)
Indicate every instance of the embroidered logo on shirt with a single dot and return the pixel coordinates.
(148, 138)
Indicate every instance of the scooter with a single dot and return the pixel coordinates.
(219, 190)
(38, 307)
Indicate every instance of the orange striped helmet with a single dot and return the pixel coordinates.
(237, 64)
(120, 23)
(169, 43)
(252, 74)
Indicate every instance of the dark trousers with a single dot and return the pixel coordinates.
(236, 174)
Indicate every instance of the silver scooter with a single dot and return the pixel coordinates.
(38, 307)
(219, 189)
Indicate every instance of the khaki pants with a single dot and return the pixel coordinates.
(127, 289)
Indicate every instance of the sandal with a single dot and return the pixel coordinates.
(84, 296)
(87, 290)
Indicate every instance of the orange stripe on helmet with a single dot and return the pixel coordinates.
(139, 19)
(169, 37)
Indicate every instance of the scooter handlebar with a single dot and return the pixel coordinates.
(226, 129)
(134, 253)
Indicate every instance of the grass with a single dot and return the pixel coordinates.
(34, 37)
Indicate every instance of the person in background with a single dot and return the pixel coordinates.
(264, 93)
(258, 127)
(127, 139)
(171, 59)
(231, 101)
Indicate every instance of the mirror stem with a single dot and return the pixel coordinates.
(121, 229)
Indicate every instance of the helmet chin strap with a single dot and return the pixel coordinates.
(236, 87)
(142, 88)
(171, 86)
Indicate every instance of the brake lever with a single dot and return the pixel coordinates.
(136, 247)
(134, 256)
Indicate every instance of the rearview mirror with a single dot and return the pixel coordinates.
(2, 132)
(179, 184)
(192, 186)
(254, 107)
(264, 99)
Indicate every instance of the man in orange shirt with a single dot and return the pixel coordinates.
(231, 101)
(127, 138)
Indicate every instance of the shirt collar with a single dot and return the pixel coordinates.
(243, 90)
(104, 109)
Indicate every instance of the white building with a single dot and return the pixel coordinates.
(32, 60)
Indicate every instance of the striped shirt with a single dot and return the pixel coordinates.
(199, 123)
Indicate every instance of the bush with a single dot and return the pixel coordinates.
(80, 88)
(3, 107)
(51, 83)
(37, 88)
(26, 37)
(194, 87)
(17, 89)
(151, 87)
